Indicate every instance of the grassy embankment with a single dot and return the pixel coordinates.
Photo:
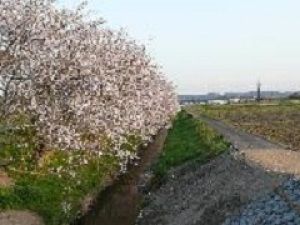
(55, 185)
(279, 123)
(189, 139)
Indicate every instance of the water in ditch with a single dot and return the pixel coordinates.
(119, 203)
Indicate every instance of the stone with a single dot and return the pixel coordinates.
(289, 217)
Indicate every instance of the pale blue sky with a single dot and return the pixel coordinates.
(214, 45)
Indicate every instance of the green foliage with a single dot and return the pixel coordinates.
(189, 139)
(132, 143)
(18, 143)
(55, 185)
(56, 195)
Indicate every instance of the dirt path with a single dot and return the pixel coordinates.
(253, 174)
(240, 140)
(256, 150)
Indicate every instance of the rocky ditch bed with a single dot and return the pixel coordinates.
(280, 207)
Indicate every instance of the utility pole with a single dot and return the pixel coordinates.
(258, 96)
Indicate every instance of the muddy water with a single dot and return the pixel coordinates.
(119, 203)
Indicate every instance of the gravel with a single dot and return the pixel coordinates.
(277, 208)
(206, 194)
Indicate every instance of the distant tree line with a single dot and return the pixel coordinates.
(295, 96)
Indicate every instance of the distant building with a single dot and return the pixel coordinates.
(234, 100)
(218, 102)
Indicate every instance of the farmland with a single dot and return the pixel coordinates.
(278, 123)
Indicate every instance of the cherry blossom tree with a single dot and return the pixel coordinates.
(83, 86)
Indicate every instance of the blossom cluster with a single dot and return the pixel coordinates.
(83, 85)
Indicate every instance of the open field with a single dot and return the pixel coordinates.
(278, 123)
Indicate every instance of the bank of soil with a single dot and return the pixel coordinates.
(252, 184)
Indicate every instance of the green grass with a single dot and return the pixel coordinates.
(57, 196)
(189, 139)
(55, 185)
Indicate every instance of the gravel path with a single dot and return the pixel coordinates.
(252, 185)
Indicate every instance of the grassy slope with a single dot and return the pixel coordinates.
(56, 197)
(189, 139)
(50, 188)
(55, 186)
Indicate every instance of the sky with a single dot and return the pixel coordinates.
(213, 45)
